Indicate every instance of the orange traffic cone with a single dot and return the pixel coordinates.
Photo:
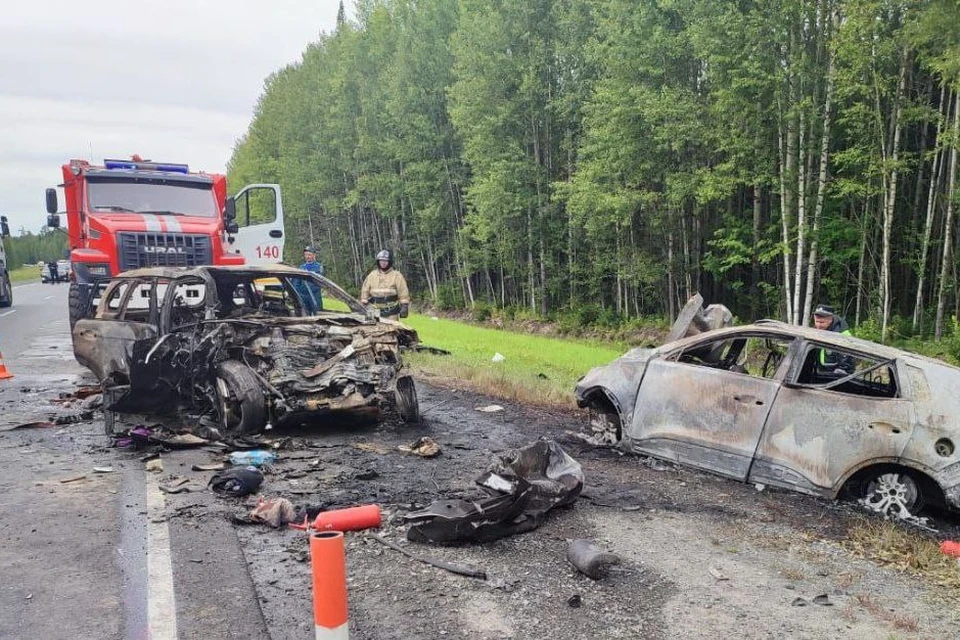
(4, 374)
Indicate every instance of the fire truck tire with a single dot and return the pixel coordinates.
(74, 303)
(6, 292)
(240, 403)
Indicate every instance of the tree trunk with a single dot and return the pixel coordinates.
(801, 222)
(948, 223)
(821, 194)
(931, 208)
(891, 198)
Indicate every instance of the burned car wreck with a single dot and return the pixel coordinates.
(238, 342)
(757, 403)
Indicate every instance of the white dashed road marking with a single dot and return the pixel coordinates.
(161, 603)
(6, 313)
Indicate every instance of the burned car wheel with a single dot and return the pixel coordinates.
(893, 493)
(240, 402)
(407, 404)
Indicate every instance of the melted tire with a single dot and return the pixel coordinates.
(241, 406)
(406, 397)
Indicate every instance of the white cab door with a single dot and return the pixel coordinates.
(260, 218)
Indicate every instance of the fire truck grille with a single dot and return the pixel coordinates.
(163, 250)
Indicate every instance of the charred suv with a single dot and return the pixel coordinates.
(792, 407)
(239, 342)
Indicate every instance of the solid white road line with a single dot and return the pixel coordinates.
(48, 297)
(161, 604)
(6, 313)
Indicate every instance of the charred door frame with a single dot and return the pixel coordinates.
(707, 435)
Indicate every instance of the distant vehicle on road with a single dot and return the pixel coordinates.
(6, 289)
(64, 271)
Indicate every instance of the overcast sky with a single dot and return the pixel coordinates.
(172, 80)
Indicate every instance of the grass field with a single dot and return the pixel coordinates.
(25, 274)
(537, 369)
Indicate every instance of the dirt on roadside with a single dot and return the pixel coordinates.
(703, 557)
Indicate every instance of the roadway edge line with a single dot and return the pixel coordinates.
(161, 601)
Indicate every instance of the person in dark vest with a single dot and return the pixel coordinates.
(826, 319)
(386, 288)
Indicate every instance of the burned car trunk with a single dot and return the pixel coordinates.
(238, 341)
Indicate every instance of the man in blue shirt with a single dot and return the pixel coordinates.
(309, 292)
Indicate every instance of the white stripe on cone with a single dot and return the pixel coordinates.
(340, 633)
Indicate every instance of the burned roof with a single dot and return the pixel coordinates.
(830, 338)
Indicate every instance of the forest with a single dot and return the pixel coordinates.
(31, 248)
(609, 158)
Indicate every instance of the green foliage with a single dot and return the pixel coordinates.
(600, 161)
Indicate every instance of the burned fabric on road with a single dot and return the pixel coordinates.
(524, 485)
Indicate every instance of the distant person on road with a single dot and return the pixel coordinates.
(826, 319)
(386, 288)
(310, 292)
(53, 271)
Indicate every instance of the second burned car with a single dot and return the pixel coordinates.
(238, 341)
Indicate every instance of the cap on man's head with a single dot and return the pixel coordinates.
(823, 310)
(309, 250)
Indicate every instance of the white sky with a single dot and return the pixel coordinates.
(172, 80)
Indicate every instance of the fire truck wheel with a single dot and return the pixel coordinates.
(6, 292)
(74, 303)
(240, 402)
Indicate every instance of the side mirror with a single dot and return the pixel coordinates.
(231, 227)
(52, 204)
(53, 221)
(4, 227)
(230, 209)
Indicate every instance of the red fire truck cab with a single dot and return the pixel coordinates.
(128, 214)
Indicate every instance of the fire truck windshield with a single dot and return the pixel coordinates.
(157, 196)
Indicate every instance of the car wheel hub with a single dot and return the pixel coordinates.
(892, 494)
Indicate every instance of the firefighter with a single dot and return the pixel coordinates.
(826, 319)
(386, 288)
(310, 292)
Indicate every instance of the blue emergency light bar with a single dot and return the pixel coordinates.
(146, 166)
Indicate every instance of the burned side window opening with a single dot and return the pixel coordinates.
(757, 356)
(844, 371)
(114, 302)
(188, 305)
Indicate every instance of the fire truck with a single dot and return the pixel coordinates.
(136, 213)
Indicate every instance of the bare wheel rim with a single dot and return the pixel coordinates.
(894, 494)
(230, 411)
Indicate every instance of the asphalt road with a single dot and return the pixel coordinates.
(93, 554)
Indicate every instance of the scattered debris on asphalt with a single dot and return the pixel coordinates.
(255, 458)
(29, 425)
(490, 408)
(589, 559)
(575, 601)
(176, 484)
(73, 479)
(469, 572)
(525, 483)
(717, 574)
(103, 469)
(275, 512)
(237, 481)
(155, 465)
(217, 466)
(424, 447)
